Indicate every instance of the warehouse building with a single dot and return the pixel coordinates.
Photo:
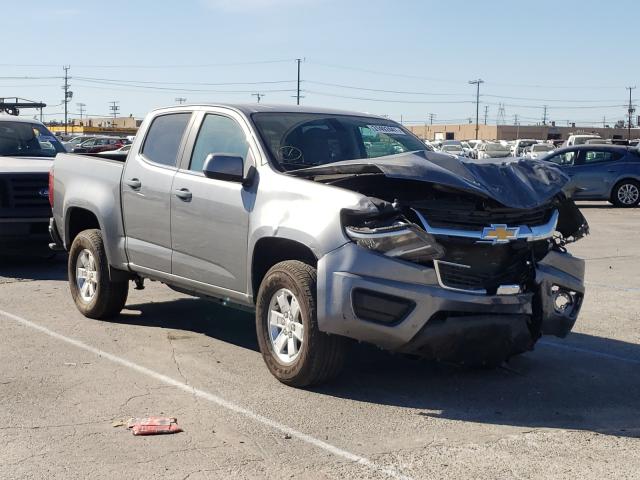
(467, 131)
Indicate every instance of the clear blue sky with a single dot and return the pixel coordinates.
(562, 53)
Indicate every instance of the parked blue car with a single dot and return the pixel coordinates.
(601, 172)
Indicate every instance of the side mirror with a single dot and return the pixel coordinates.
(224, 167)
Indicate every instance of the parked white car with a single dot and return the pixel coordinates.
(579, 139)
(538, 150)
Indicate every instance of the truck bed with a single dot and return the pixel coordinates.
(92, 182)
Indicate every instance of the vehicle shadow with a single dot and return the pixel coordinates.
(583, 382)
(24, 267)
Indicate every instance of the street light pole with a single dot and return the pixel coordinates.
(477, 84)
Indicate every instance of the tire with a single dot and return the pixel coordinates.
(99, 297)
(319, 356)
(626, 194)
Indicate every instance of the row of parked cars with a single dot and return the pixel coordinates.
(523, 147)
(96, 144)
(599, 168)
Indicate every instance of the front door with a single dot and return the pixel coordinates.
(596, 171)
(146, 192)
(210, 218)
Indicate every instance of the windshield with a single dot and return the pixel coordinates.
(583, 140)
(496, 147)
(27, 139)
(301, 140)
(542, 147)
(451, 148)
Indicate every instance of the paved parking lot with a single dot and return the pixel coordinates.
(567, 410)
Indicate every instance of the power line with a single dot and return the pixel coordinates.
(369, 99)
(151, 82)
(160, 66)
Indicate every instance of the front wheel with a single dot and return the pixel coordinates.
(626, 194)
(295, 351)
(93, 291)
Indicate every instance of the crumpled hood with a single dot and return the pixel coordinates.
(513, 182)
(25, 164)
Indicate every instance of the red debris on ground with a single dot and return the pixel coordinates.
(153, 425)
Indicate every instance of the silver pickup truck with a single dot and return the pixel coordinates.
(331, 226)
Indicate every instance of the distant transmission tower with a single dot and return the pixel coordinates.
(501, 114)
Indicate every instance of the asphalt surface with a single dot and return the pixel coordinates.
(570, 409)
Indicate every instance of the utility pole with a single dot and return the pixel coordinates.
(477, 84)
(604, 122)
(431, 117)
(258, 96)
(180, 100)
(68, 95)
(631, 110)
(114, 107)
(544, 115)
(299, 61)
(486, 113)
(517, 124)
(81, 109)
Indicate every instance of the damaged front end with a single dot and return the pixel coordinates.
(445, 269)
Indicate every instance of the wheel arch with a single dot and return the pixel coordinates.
(269, 251)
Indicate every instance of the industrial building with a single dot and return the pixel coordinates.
(467, 131)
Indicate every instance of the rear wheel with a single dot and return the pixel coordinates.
(626, 194)
(295, 351)
(93, 291)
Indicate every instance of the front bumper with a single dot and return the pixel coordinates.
(21, 234)
(437, 321)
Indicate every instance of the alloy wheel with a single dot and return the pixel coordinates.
(286, 330)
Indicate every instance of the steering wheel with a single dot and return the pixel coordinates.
(291, 154)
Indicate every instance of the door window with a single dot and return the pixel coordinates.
(218, 134)
(565, 159)
(164, 138)
(596, 156)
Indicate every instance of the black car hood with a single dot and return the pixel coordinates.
(514, 183)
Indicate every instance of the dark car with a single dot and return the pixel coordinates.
(601, 172)
(100, 144)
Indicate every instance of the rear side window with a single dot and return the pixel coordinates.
(595, 156)
(164, 137)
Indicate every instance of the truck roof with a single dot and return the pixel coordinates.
(13, 118)
(248, 108)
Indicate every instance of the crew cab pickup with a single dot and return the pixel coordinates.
(27, 149)
(331, 226)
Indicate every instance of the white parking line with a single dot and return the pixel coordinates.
(339, 452)
(588, 351)
(613, 287)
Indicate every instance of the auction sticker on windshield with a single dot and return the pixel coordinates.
(388, 129)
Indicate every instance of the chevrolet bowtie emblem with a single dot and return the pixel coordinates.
(500, 233)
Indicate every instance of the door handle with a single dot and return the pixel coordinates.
(183, 194)
(134, 183)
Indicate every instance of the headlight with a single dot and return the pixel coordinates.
(398, 240)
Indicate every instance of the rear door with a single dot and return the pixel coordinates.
(146, 191)
(596, 171)
(209, 228)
